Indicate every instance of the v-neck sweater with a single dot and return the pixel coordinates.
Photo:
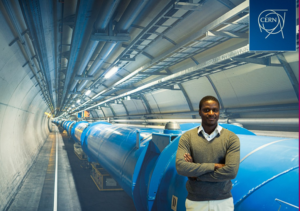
(210, 184)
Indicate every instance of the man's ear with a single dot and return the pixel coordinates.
(199, 112)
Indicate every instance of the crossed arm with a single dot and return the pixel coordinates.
(210, 172)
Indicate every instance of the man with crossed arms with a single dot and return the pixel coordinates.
(209, 156)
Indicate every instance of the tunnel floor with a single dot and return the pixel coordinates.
(91, 199)
(59, 180)
(48, 184)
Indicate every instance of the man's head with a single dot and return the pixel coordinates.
(209, 110)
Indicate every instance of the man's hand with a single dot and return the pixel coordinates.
(188, 157)
(219, 165)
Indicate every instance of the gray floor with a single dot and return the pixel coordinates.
(38, 191)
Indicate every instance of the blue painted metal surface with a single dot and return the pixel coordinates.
(233, 128)
(237, 130)
(128, 162)
(85, 133)
(77, 130)
(142, 161)
(270, 172)
(61, 123)
(64, 124)
(69, 127)
(67, 124)
(274, 165)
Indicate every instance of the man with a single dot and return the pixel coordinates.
(209, 156)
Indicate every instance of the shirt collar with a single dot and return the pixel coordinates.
(218, 129)
(211, 136)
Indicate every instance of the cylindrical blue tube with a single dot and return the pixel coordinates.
(142, 161)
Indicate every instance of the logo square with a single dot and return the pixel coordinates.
(272, 25)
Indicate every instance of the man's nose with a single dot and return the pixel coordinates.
(211, 112)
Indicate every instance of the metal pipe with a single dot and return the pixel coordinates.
(42, 40)
(143, 164)
(105, 16)
(106, 50)
(82, 19)
(133, 10)
(268, 108)
(18, 29)
(59, 14)
(146, 126)
(158, 120)
(243, 121)
(266, 121)
(100, 24)
(89, 51)
(273, 108)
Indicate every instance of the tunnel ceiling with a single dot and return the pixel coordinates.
(160, 50)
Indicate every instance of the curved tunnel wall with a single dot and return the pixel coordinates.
(23, 125)
(250, 85)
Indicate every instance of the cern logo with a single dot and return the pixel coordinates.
(272, 22)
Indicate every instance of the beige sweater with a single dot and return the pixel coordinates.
(210, 184)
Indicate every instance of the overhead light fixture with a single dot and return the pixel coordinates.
(78, 101)
(88, 92)
(73, 105)
(111, 72)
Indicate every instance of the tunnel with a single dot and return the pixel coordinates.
(96, 95)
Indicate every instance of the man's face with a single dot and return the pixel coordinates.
(209, 113)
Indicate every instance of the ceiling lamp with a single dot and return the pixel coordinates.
(73, 105)
(111, 72)
(88, 92)
(78, 101)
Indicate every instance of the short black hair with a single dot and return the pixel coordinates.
(207, 98)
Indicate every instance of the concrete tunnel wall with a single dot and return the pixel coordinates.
(23, 124)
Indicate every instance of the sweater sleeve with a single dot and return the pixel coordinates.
(232, 161)
(186, 168)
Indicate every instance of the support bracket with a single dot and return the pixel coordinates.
(290, 73)
(147, 55)
(154, 73)
(84, 78)
(25, 64)
(127, 59)
(13, 41)
(187, 6)
(227, 34)
(78, 93)
(262, 61)
(105, 37)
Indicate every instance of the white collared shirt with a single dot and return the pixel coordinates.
(212, 135)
